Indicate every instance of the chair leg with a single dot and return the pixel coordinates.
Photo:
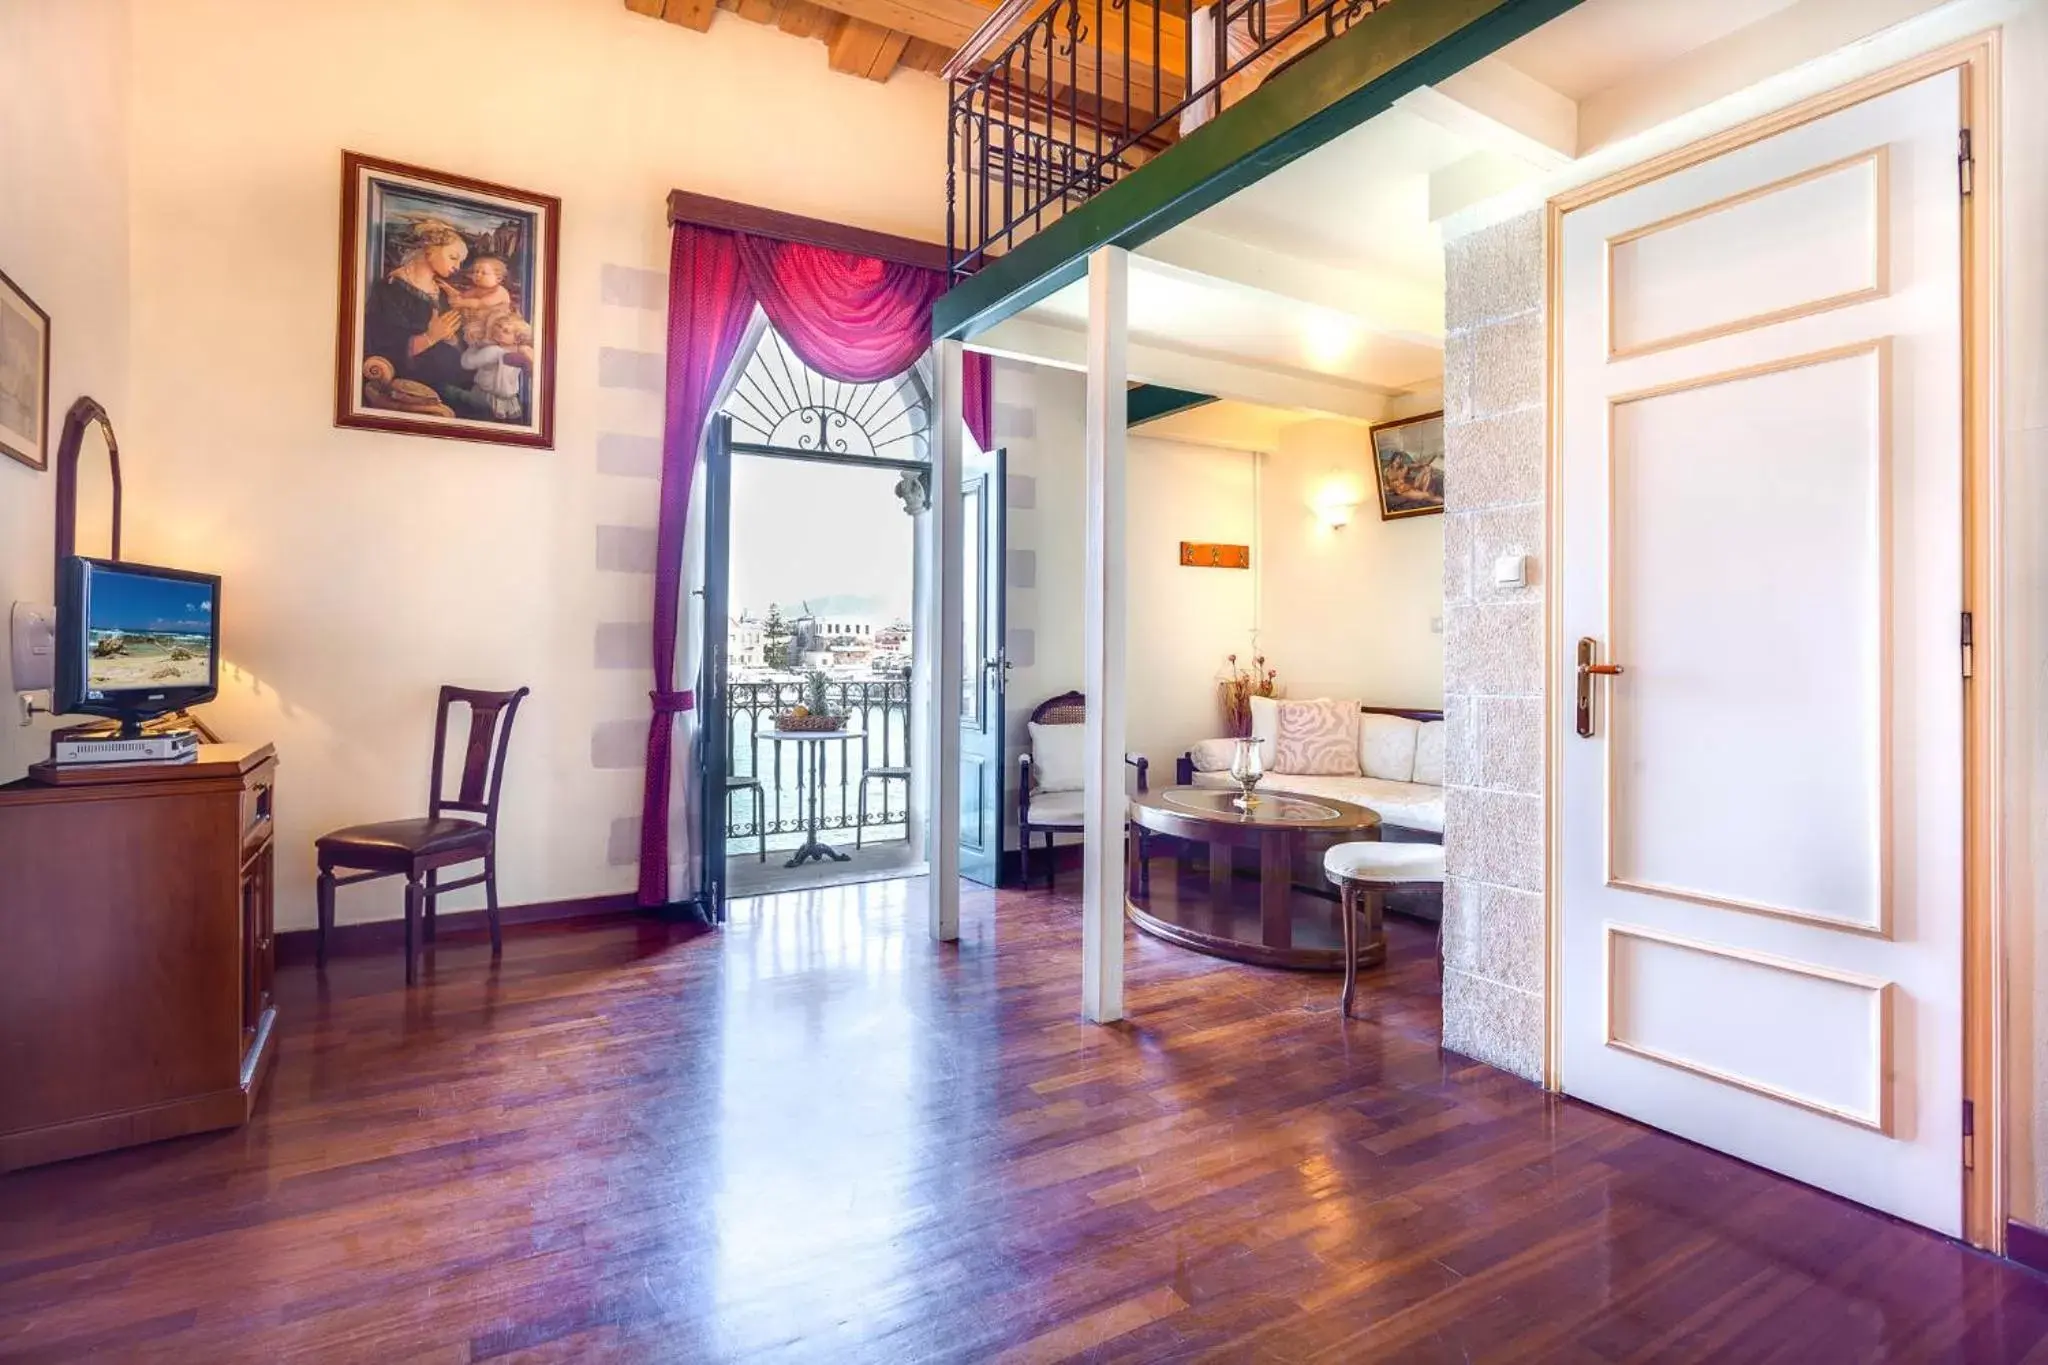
(414, 894)
(432, 906)
(491, 903)
(324, 899)
(1024, 856)
(1349, 909)
(1052, 864)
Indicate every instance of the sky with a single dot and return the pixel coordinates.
(143, 604)
(835, 536)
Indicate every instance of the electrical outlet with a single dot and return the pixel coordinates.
(1436, 625)
(32, 636)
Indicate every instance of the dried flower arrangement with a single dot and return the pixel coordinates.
(1239, 686)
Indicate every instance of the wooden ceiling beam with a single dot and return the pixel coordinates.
(866, 50)
(694, 14)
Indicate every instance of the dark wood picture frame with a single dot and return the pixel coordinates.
(1412, 504)
(38, 458)
(353, 385)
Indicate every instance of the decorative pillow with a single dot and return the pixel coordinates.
(1057, 761)
(1318, 739)
(1266, 730)
(1386, 747)
(1214, 755)
(1429, 754)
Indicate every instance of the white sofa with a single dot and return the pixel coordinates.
(1400, 768)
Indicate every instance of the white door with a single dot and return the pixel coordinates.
(1761, 884)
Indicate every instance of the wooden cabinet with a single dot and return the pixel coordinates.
(137, 952)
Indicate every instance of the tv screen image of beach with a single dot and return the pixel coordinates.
(144, 632)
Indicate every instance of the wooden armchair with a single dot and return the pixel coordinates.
(1059, 811)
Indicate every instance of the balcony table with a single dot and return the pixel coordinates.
(810, 780)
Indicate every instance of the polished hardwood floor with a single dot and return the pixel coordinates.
(815, 1136)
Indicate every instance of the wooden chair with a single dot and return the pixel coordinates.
(1363, 873)
(1060, 812)
(418, 849)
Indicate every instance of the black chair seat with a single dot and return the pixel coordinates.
(403, 839)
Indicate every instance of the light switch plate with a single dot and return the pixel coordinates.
(1511, 571)
(32, 636)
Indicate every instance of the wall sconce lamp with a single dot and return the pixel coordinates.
(1335, 512)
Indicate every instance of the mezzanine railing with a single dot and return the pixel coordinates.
(879, 708)
(1053, 101)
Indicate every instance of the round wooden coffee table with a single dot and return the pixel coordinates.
(1256, 913)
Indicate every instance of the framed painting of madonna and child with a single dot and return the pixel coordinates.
(447, 306)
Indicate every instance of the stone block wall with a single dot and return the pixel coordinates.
(1493, 646)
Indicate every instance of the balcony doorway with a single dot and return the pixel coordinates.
(813, 573)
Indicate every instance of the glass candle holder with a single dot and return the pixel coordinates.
(1247, 766)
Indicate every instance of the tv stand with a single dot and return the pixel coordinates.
(136, 914)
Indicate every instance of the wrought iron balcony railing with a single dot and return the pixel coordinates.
(1053, 101)
(879, 708)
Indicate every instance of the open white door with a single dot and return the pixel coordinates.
(1761, 810)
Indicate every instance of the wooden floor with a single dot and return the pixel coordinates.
(816, 1137)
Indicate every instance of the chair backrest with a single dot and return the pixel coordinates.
(483, 755)
(1068, 708)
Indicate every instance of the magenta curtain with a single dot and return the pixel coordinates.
(853, 318)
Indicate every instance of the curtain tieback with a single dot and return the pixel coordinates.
(669, 703)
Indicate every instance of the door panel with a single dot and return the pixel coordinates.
(982, 668)
(1760, 889)
(713, 760)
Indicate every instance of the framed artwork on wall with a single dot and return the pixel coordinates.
(1409, 458)
(447, 306)
(24, 377)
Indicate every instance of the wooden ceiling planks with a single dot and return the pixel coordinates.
(872, 38)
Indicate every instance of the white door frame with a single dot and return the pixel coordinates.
(1976, 59)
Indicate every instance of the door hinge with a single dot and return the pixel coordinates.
(1969, 1136)
(1969, 647)
(1966, 164)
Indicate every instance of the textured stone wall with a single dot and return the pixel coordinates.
(1493, 646)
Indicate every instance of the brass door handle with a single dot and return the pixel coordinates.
(1589, 649)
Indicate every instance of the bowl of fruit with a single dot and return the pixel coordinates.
(815, 711)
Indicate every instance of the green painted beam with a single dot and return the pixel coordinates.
(1150, 402)
(1405, 46)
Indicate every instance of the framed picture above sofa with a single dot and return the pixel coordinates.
(447, 305)
(1408, 456)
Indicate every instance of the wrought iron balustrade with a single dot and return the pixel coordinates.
(879, 708)
(1053, 101)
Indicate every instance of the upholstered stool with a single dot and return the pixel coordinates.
(1364, 873)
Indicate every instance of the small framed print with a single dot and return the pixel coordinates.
(1409, 458)
(24, 377)
(447, 305)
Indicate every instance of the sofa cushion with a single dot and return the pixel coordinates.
(1411, 805)
(1057, 807)
(1386, 747)
(1429, 754)
(1213, 755)
(1317, 738)
(1265, 729)
(1057, 764)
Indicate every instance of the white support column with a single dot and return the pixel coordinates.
(939, 636)
(1102, 636)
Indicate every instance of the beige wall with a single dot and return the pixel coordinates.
(364, 569)
(64, 241)
(1184, 622)
(1353, 612)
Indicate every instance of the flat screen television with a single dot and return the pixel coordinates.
(135, 641)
